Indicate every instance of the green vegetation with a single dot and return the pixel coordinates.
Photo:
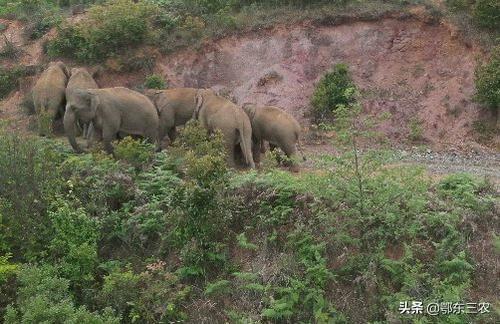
(40, 15)
(179, 23)
(488, 81)
(416, 129)
(335, 89)
(155, 81)
(145, 237)
(487, 13)
(105, 31)
(8, 79)
(142, 237)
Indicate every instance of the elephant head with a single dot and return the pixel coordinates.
(81, 107)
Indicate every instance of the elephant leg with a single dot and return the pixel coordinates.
(229, 144)
(262, 147)
(108, 135)
(152, 137)
(94, 135)
(291, 152)
(172, 134)
(230, 156)
(256, 149)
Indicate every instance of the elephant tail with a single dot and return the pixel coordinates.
(245, 134)
(299, 146)
(198, 104)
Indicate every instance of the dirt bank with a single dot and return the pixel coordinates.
(420, 73)
(416, 71)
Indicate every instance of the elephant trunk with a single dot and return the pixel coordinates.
(70, 130)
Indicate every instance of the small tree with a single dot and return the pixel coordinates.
(488, 81)
(155, 81)
(331, 92)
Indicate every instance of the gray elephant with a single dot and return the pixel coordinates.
(80, 79)
(49, 95)
(175, 108)
(275, 126)
(217, 113)
(111, 111)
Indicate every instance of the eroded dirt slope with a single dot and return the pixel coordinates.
(413, 70)
(421, 73)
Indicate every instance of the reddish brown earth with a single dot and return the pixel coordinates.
(416, 71)
(408, 68)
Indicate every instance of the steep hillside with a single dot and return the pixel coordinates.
(415, 69)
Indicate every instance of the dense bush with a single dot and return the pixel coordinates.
(106, 30)
(334, 89)
(29, 182)
(44, 297)
(108, 240)
(488, 81)
(487, 13)
(152, 296)
(135, 152)
(155, 81)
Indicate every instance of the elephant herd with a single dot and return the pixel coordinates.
(105, 114)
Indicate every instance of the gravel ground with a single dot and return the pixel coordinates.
(477, 163)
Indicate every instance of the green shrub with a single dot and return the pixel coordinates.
(488, 81)
(487, 13)
(73, 247)
(335, 88)
(155, 81)
(463, 189)
(44, 297)
(152, 296)
(105, 31)
(100, 181)
(135, 152)
(8, 79)
(416, 129)
(202, 211)
(29, 181)
(7, 269)
(457, 4)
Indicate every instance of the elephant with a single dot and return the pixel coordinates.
(218, 113)
(80, 79)
(49, 95)
(275, 126)
(175, 108)
(111, 111)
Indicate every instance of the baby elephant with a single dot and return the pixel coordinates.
(111, 111)
(48, 95)
(275, 126)
(175, 108)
